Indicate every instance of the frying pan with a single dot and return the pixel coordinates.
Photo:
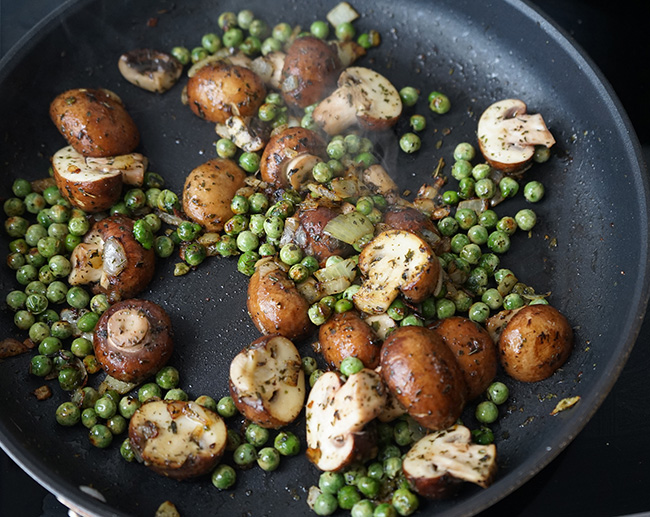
(595, 211)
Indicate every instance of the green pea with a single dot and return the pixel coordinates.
(418, 123)
(331, 482)
(348, 496)
(385, 510)
(325, 504)
(507, 225)
(498, 392)
(251, 46)
(100, 436)
(21, 188)
(466, 218)
(526, 219)
(282, 32)
(167, 201)
(14, 207)
(478, 234)
(345, 31)
(34, 202)
(117, 424)
(49, 246)
(319, 313)
(256, 435)
(128, 405)
(226, 407)
(351, 365)
(199, 54)
(405, 501)
(163, 246)
(267, 250)
(336, 167)
(24, 320)
(36, 303)
(411, 320)
(167, 377)
(245, 18)
(458, 242)
(439, 103)
(471, 253)
(445, 308)
(492, 298)
(70, 378)
(488, 219)
(126, 450)
(18, 246)
(464, 151)
(479, 312)
(18, 226)
(466, 188)
(533, 191)
(38, 331)
(105, 407)
(224, 477)
(148, 391)
(448, 226)
(410, 143)
(236, 224)
(336, 149)
(483, 435)
(487, 412)
(498, 242)
(32, 234)
(247, 241)
(250, 162)
(226, 20)
(513, 301)
(481, 171)
(16, 300)
(461, 169)
(364, 508)
(143, 234)
(291, 254)
(542, 154)
(40, 365)
(369, 486)
(246, 262)
(67, 414)
(343, 305)
(56, 291)
(227, 246)
(71, 242)
(211, 42)
(508, 187)
(48, 317)
(77, 297)
(182, 54)
(176, 394)
(207, 402)
(320, 29)
(287, 443)
(60, 213)
(270, 45)
(409, 96)
(244, 455)
(88, 322)
(58, 231)
(322, 172)
(81, 347)
(268, 459)
(195, 253)
(298, 273)
(89, 418)
(393, 466)
(315, 375)
(484, 188)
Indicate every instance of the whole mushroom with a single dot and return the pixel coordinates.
(345, 335)
(111, 260)
(507, 135)
(311, 237)
(133, 340)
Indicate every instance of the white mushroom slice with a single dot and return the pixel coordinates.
(362, 96)
(396, 261)
(267, 381)
(299, 169)
(149, 69)
(269, 68)
(507, 135)
(437, 463)
(132, 167)
(127, 328)
(176, 438)
(336, 415)
(87, 264)
(240, 131)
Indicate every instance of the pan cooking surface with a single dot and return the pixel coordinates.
(589, 248)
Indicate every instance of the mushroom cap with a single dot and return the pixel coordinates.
(284, 148)
(310, 70)
(344, 335)
(507, 135)
(536, 341)
(220, 89)
(133, 340)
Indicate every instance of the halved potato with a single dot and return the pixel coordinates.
(267, 382)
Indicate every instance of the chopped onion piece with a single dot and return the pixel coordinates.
(114, 257)
(349, 228)
(342, 13)
(478, 205)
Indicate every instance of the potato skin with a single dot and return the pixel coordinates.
(318, 244)
(282, 147)
(344, 335)
(208, 190)
(422, 373)
(276, 306)
(219, 90)
(474, 349)
(94, 122)
(536, 342)
(315, 66)
(155, 352)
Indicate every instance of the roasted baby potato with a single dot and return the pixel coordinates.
(537, 341)
(344, 335)
(422, 373)
(177, 439)
(275, 305)
(208, 191)
(267, 382)
(94, 122)
(133, 340)
(474, 349)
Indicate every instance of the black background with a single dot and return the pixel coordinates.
(606, 469)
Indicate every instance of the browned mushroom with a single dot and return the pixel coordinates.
(94, 122)
(310, 69)
(347, 335)
(290, 156)
(133, 340)
(412, 220)
(507, 135)
(150, 69)
(219, 90)
(310, 235)
(363, 96)
(112, 260)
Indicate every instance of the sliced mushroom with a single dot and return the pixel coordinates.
(133, 340)
(95, 184)
(178, 439)
(267, 382)
(396, 261)
(290, 156)
(150, 69)
(379, 181)
(112, 260)
(363, 96)
(536, 341)
(507, 135)
(440, 462)
(337, 414)
(247, 133)
(219, 90)
(309, 72)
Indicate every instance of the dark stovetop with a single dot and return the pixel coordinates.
(605, 470)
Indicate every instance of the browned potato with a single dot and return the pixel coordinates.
(344, 335)
(290, 155)
(275, 305)
(94, 122)
(267, 382)
(317, 243)
(536, 342)
(177, 439)
(422, 372)
(133, 340)
(112, 260)
(474, 349)
(219, 90)
(310, 71)
(208, 191)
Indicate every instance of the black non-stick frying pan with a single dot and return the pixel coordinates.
(589, 249)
